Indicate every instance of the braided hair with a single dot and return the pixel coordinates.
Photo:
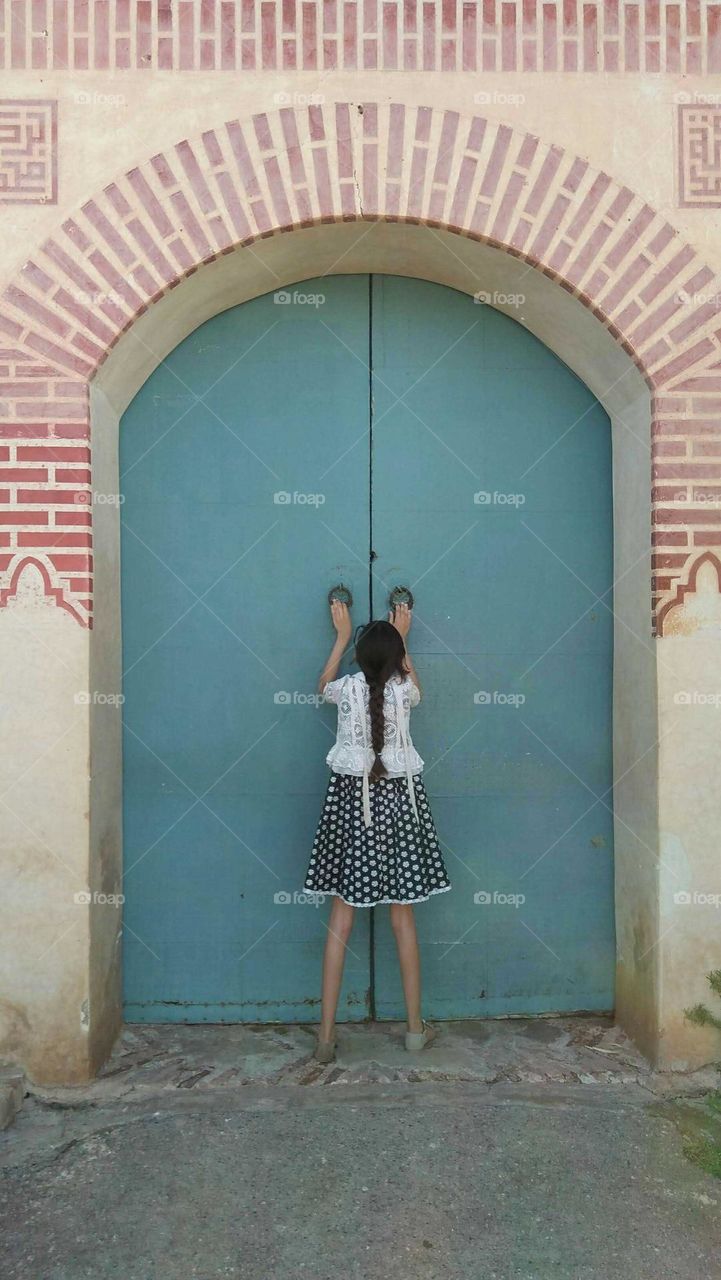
(380, 654)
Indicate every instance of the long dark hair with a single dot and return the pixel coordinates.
(380, 654)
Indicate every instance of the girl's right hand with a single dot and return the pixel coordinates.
(340, 617)
(401, 617)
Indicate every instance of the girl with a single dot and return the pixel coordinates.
(376, 841)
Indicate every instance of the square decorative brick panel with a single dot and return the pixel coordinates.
(28, 151)
(699, 156)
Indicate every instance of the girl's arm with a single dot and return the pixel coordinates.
(402, 617)
(340, 617)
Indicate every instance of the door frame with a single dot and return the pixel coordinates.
(564, 325)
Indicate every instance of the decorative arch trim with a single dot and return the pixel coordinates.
(162, 220)
(50, 591)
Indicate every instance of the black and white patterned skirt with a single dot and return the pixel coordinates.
(396, 859)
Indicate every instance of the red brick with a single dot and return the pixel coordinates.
(670, 449)
(666, 560)
(82, 516)
(44, 453)
(20, 475)
(695, 515)
(669, 493)
(71, 430)
(24, 430)
(4, 495)
(23, 517)
(51, 497)
(666, 538)
(72, 564)
(686, 470)
(66, 475)
(59, 538)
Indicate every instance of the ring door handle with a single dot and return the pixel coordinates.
(400, 595)
(341, 593)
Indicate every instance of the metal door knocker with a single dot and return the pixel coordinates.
(400, 595)
(342, 594)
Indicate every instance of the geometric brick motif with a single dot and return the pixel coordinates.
(699, 156)
(28, 151)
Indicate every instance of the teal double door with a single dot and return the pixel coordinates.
(375, 431)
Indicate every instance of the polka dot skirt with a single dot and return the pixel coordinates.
(393, 860)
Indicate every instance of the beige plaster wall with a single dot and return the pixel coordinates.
(44, 823)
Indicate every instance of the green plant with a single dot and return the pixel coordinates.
(699, 1014)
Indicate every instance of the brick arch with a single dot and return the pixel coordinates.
(159, 222)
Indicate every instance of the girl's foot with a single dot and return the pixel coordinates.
(324, 1050)
(416, 1040)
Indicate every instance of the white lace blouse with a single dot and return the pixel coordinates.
(353, 752)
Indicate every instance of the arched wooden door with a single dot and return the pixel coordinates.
(375, 430)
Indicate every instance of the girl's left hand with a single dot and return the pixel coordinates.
(401, 617)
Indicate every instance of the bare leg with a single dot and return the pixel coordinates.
(404, 927)
(339, 931)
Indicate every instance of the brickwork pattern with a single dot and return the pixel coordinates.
(322, 35)
(157, 223)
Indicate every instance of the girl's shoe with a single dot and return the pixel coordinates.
(416, 1040)
(324, 1050)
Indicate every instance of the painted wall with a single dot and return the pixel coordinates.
(135, 150)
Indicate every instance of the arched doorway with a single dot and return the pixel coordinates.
(377, 429)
